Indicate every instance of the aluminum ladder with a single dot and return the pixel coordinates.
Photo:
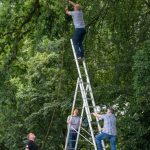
(85, 90)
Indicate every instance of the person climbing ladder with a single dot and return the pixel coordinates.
(109, 130)
(79, 32)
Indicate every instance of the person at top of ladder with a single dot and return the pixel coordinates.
(109, 129)
(79, 33)
(74, 121)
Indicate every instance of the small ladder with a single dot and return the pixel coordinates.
(85, 90)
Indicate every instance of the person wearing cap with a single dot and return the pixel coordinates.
(31, 142)
(109, 130)
(79, 32)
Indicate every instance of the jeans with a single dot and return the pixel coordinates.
(72, 139)
(78, 38)
(101, 136)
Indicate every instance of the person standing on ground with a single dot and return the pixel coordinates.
(79, 33)
(31, 142)
(73, 122)
(109, 129)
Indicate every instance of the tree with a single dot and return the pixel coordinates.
(38, 74)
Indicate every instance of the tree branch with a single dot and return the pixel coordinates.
(14, 50)
(19, 35)
(31, 14)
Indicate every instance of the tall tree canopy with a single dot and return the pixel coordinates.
(38, 73)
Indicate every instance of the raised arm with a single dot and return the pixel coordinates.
(67, 11)
(72, 3)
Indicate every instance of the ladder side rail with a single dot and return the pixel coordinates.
(90, 89)
(91, 94)
(75, 95)
(77, 64)
(93, 101)
(87, 89)
(73, 106)
(82, 112)
(88, 114)
(80, 76)
(83, 93)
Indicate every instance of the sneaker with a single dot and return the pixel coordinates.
(80, 60)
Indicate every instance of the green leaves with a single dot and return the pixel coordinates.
(38, 74)
(142, 70)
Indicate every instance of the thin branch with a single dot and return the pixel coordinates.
(27, 18)
(14, 50)
(49, 127)
(31, 14)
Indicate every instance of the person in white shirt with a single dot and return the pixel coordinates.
(74, 121)
(79, 33)
(109, 130)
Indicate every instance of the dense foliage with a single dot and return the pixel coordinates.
(38, 73)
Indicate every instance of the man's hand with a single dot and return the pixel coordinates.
(95, 114)
(72, 3)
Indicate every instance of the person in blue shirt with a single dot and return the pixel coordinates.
(79, 33)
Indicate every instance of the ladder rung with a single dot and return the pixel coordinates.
(89, 99)
(94, 123)
(96, 131)
(88, 114)
(91, 106)
(87, 107)
(84, 82)
(83, 74)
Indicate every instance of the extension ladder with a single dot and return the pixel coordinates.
(85, 90)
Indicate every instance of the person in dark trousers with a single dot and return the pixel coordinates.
(109, 129)
(31, 142)
(74, 121)
(79, 33)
